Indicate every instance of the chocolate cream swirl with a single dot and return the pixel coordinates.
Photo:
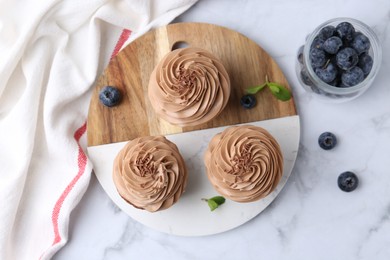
(189, 87)
(244, 163)
(149, 173)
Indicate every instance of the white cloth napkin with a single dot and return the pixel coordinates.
(51, 52)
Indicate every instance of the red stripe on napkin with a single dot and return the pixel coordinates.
(122, 39)
(82, 162)
(81, 158)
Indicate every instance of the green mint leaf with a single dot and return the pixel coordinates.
(218, 199)
(215, 202)
(274, 88)
(279, 91)
(254, 90)
(212, 204)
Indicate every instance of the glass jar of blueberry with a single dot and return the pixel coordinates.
(339, 60)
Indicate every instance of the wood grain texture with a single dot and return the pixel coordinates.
(246, 63)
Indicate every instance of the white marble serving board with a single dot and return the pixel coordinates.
(191, 216)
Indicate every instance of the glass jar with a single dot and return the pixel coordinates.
(313, 84)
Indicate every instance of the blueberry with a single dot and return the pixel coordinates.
(317, 43)
(346, 58)
(352, 77)
(305, 77)
(336, 81)
(327, 74)
(110, 96)
(317, 58)
(248, 101)
(327, 140)
(345, 31)
(365, 63)
(327, 32)
(348, 181)
(360, 43)
(332, 45)
(300, 54)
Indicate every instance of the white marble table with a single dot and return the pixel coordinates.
(311, 218)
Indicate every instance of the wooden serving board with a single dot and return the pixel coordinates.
(245, 61)
(109, 129)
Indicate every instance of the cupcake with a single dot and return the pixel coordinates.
(244, 163)
(149, 173)
(189, 87)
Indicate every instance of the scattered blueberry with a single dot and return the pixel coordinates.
(317, 58)
(332, 45)
(352, 77)
(345, 31)
(348, 181)
(365, 63)
(346, 58)
(327, 32)
(317, 43)
(327, 74)
(248, 101)
(327, 140)
(110, 96)
(360, 43)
